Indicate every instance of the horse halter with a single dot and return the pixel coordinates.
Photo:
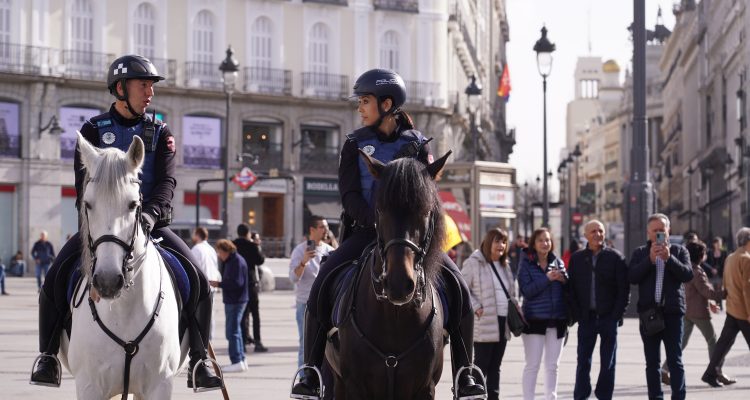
(127, 264)
(420, 253)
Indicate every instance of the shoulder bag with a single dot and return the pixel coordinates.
(516, 322)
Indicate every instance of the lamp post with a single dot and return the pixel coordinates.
(474, 96)
(229, 69)
(544, 48)
(526, 209)
(690, 171)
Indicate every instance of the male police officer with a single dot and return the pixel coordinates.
(130, 79)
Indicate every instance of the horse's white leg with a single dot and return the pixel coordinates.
(162, 390)
(86, 389)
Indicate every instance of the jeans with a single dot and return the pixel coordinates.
(672, 338)
(252, 309)
(41, 268)
(2, 278)
(707, 330)
(605, 327)
(732, 326)
(533, 347)
(300, 317)
(488, 356)
(233, 313)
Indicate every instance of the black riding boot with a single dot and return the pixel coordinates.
(200, 328)
(462, 355)
(47, 370)
(309, 386)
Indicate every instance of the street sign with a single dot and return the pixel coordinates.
(577, 218)
(245, 178)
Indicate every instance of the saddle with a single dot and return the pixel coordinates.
(180, 270)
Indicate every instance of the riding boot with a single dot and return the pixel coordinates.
(314, 350)
(47, 370)
(200, 328)
(462, 354)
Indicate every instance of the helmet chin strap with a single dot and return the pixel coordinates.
(382, 114)
(126, 98)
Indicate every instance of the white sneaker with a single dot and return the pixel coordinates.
(244, 365)
(236, 367)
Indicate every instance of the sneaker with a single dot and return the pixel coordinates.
(6, 293)
(236, 367)
(259, 348)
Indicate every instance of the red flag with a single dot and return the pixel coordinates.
(503, 89)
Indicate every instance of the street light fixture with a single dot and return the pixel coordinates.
(474, 97)
(229, 69)
(52, 125)
(544, 49)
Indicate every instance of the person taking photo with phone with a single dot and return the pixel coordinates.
(303, 268)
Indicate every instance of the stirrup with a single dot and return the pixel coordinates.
(59, 368)
(304, 396)
(207, 360)
(470, 368)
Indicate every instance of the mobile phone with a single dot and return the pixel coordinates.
(661, 237)
(310, 245)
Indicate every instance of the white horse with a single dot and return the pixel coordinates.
(131, 294)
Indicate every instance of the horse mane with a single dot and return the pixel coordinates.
(112, 176)
(406, 191)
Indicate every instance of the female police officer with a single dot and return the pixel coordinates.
(388, 134)
(130, 79)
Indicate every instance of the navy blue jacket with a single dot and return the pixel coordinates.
(542, 298)
(677, 271)
(612, 286)
(43, 251)
(350, 186)
(234, 282)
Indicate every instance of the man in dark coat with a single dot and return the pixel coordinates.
(249, 248)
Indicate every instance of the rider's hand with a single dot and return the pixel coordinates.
(147, 221)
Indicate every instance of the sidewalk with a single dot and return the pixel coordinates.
(269, 376)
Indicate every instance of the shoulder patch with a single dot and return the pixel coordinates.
(104, 122)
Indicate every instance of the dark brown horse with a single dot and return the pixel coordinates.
(391, 344)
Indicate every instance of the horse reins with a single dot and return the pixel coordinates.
(420, 253)
(131, 347)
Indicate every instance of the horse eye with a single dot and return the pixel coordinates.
(133, 205)
(87, 205)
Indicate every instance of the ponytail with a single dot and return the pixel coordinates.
(404, 119)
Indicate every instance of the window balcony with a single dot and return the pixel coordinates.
(22, 59)
(166, 68)
(411, 6)
(325, 86)
(88, 65)
(323, 160)
(332, 2)
(268, 81)
(203, 75)
(423, 93)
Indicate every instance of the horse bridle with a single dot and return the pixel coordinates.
(127, 264)
(420, 253)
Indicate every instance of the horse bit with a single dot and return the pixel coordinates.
(420, 252)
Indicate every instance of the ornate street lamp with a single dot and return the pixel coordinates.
(544, 49)
(474, 97)
(229, 69)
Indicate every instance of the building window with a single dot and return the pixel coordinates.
(318, 49)
(82, 31)
(261, 145)
(5, 21)
(144, 30)
(203, 38)
(709, 120)
(260, 43)
(589, 88)
(389, 52)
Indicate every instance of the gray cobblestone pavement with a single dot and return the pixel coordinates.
(269, 374)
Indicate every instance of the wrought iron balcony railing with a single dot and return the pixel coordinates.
(83, 64)
(263, 158)
(411, 6)
(268, 81)
(325, 86)
(333, 2)
(166, 68)
(423, 93)
(319, 159)
(22, 59)
(203, 75)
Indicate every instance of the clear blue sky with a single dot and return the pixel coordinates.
(570, 24)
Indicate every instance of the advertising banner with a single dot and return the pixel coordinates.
(201, 142)
(10, 139)
(71, 120)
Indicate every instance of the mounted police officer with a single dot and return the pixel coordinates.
(388, 134)
(130, 79)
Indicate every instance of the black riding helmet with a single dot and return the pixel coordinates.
(383, 84)
(130, 67)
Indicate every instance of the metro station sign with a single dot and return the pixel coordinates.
(245, 178)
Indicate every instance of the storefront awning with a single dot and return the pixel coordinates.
(330, 210)
(457, 213)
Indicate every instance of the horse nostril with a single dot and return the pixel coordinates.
(409, 286)
(120, 281)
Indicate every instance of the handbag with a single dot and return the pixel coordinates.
(652, 319)
(516, 321)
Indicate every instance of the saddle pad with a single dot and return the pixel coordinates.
(178, 271)
(443, 295)
(180, 276)
(343, 293)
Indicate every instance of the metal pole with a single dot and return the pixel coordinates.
(225, 198)
(690, 204)
(526, 210)
(638, 191)
(197, 204)
(545, 211)
(475, 134)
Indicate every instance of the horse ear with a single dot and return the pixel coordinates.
(136, 153)
(373, 164)
(88, 152)
(436, 167)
